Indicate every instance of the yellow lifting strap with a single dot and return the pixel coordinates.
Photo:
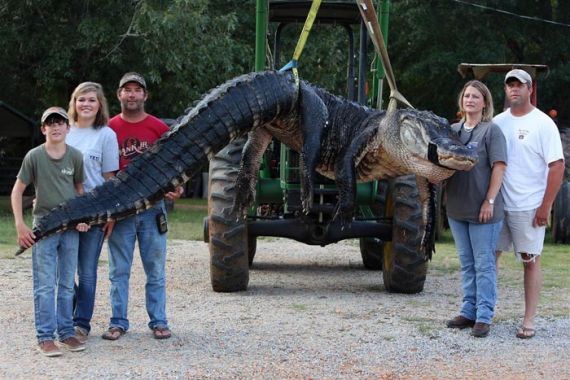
(371, 21)
(302, 39)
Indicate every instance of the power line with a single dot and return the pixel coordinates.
(511, 13)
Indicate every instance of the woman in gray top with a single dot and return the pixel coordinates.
(475, 208)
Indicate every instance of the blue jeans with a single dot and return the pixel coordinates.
(54, 261)
(476, 245)
(152, 247)
(90, 244)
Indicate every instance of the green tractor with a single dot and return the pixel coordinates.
(389, 217)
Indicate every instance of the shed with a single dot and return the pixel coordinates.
(18, 134)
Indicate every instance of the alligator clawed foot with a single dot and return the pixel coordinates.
(307, 203)
(427, 247)
(345, 215)
(245, 196)
(239, 210)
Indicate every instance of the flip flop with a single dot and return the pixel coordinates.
(113, 333)
(526, 332)
(161, 333)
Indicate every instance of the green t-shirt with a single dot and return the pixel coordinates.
(54, 180)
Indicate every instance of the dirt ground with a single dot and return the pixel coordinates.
(309, 313)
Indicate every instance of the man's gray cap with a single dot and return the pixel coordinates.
(521, 75)
(132, 77)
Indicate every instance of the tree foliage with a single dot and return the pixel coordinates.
(185, 47)
(182, 47)
(430, 38)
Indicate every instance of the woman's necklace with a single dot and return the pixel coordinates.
(468, 131)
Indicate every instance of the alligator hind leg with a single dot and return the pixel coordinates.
(345, 179)
(257, 142)
(345, 169)
(313, 120)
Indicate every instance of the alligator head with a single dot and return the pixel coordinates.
(427, 144)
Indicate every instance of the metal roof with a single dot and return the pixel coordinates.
(340, 12)
(481, 70)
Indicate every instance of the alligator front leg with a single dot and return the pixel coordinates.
(427, 194)
(257, 142)
(313, 118)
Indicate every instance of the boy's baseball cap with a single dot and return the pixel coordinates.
(54, 111)
(132, 77)
(521, 75)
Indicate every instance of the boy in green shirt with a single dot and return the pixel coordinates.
(56, 171)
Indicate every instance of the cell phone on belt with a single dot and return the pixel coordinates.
(161, 223)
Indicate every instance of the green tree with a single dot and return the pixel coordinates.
(428, 39)
(183, 47)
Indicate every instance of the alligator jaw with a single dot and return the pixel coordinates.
(452, 156)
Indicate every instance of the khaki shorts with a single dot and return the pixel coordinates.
(519, 232)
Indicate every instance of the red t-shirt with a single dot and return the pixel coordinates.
(135, 138)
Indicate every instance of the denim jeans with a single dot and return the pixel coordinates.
(54, 261)
(90, 244)
(152, 247)
(476, 245)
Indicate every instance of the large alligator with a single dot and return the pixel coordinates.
(335, 137)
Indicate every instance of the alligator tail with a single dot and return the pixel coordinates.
(225, 113)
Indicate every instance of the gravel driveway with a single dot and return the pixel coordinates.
(310, 312)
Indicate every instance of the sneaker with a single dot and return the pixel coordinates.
(72, 344)
(460, 322)
(81, 334)
(481, 330)
(48, 348)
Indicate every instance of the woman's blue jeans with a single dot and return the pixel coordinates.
(90, 244)
(54, 261)
(476, 245)
(152, 247)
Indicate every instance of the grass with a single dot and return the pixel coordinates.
(186, 223)
(555, 263)
(299, 307)
(7, 229)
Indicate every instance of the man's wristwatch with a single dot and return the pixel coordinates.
(491, 201)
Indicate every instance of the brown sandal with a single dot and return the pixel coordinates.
(525, 332)
(161, 333)
(113, 333)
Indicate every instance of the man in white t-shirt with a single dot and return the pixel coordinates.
(530, 184)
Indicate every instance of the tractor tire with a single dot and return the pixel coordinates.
(228, 238)
(372, 249)
(561, 215)
(372, 252)
(405, 266)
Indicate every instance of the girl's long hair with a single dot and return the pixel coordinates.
(102, 117)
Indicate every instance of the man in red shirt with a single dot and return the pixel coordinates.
(136, 132)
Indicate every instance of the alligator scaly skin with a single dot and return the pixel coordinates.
(340, 139)
(226, 112)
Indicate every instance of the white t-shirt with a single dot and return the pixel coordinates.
(533, 142)
(100, 152)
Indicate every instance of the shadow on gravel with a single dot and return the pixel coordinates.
(308, 267)
(320, 291)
